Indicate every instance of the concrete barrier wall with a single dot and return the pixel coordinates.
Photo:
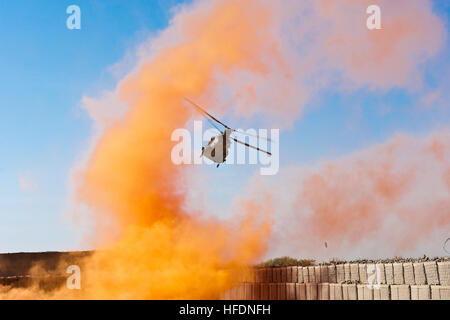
(354, 272)
(422, 292)
(421, 273)
(335, 291)
(408, 272)
(332, 274)
(388, 281)
(340, 273)
(431, 272)
(444, 273)
(380, 273)
(389, 273)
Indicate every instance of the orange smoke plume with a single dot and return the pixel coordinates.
(388, 200)
(268, 57)
(158, 250)
(153, 247)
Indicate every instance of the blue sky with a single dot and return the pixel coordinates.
(46, 69)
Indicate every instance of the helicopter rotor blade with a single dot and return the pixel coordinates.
(209, 117)
(206, 113)
(252, 135)
(250, 146)
(213, 124)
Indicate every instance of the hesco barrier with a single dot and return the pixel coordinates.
(350, 281)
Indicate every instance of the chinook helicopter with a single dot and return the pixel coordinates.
(217, 148)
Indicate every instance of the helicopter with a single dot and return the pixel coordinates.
(217, 148)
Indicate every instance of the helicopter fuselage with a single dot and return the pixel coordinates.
(218, 147)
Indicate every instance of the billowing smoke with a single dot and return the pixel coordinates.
(267, 58)
(158, 250)
(392, 199)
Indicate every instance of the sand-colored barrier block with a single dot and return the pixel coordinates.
(256, 294)
(243, 277)
(311, 291)
(290, 291)
(278, 274)
(243, 291)
(360, 291)
(289, 274)
(332, 296)
(368, 292)
(347, 272)
(300, 275)
(333, 291)
(340, 273)
(324, 274)
(283, 275)
(264, 275)
(444, 273)
(338, 292)
(349, 292)
(240, 292)
(408, 272)
(247, 294)
(269, 275)
(257, 276)
(400, 292)
(363, 272)
(318, 275)
(252, 276)
(273, 291)
(265, 291)
(323, 291)
(444, 293)
(248, 287)
(389, 272)
(431, 272)
(421, 292)
(294, 274)
(332, 274)
(305, 274)
(372, 274)
(381, 273)
(419, 273)
(312, 274)
(398, 273)
(237, 293)
(281, 291)
(365, 292)
(300, 291)
(354, 272)
(381, 292)
(440, 292)
(260, 277)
